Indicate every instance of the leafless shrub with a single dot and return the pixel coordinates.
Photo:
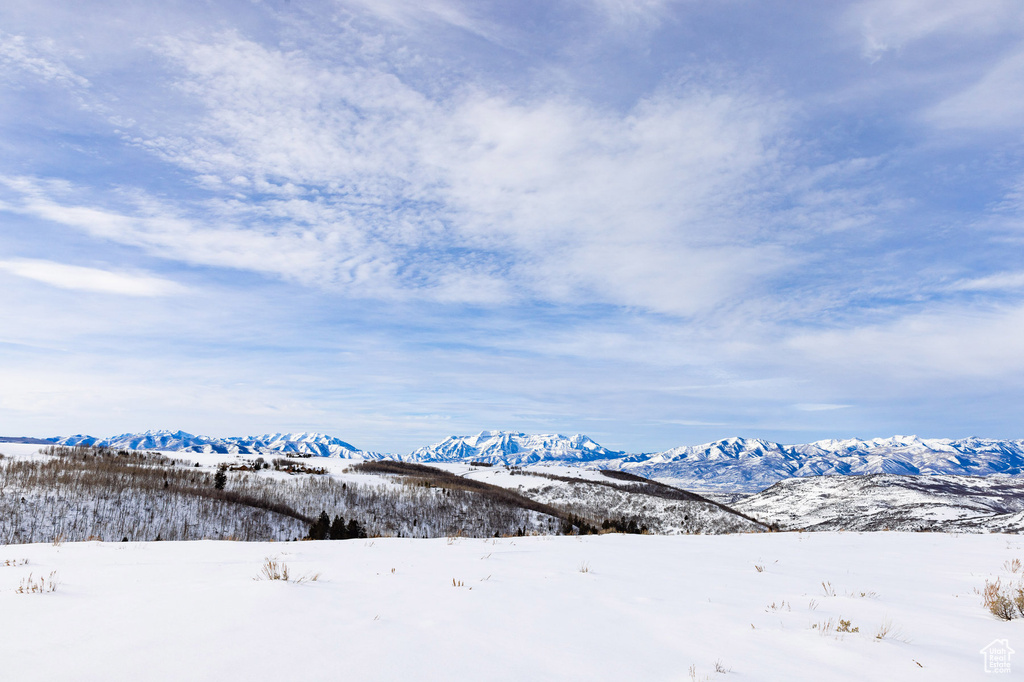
(999, 600)
(14, 562)
(759, 568)
(584, 567)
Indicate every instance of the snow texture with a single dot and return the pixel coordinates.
(611, 607)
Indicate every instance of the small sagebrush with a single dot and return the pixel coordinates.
(1003, 602)
(846, 626)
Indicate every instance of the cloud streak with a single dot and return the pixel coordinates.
(76, 277)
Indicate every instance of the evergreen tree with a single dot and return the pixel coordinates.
(321, 528)
(338, 529)
(220, 479)
(356, 529)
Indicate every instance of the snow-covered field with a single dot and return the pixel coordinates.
(610, 607)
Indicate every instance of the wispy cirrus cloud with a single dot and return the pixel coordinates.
(819, 407)
(998, 282)
(346, 175)
(887, 25)
(97, 280)
(42, 59)
(994, 102)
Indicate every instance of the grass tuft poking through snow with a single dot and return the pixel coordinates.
(278, 570)
(888, 631)
(41, 585)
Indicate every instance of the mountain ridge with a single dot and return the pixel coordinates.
(732, 463)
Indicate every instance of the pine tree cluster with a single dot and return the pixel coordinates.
(325, 529)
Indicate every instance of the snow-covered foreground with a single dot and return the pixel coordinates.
(610, 607)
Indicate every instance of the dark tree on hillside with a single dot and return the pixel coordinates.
(220, 479)
(338, 529)
(356, 529)
(321, 528)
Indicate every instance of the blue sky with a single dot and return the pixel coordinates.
(655, 222)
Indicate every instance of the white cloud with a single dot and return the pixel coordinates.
(631, 13)
(891, 24)
(90, 279)
(819, 407)
(424, 14)
(346, 176)
(38, 58)
(939, 345)
(976, 62)
(1000, 282)
(994, 102)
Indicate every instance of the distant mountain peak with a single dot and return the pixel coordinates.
(515, 448)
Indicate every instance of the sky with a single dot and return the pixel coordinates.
(655, 222)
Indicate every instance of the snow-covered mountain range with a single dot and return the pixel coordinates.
(742, 464)
(733, 464)
(313, 444)
(515, 449)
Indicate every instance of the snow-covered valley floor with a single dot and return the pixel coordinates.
(611, 607)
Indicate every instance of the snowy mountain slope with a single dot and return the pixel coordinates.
(742, 464)
(304, 444)
(891, 502)
(593, 494)
(514, 449)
